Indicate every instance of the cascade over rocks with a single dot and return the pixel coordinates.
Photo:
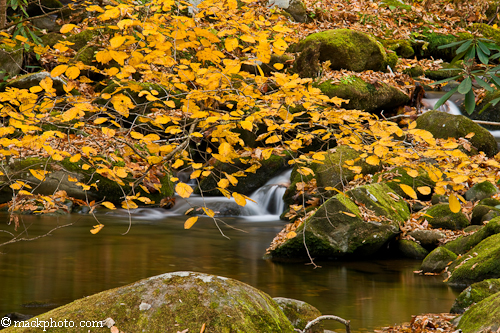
(175, 302)
(337, 229)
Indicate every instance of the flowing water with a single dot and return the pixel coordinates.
(72, 263)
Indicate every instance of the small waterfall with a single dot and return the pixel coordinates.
(268, 204)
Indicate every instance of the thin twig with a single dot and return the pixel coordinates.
(347, 323)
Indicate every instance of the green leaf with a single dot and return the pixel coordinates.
(465, 46)
(445, 97)
(470, 102)
(484, 48)
(482, 57)
(457, 58)
(471, 53)
(465, 86)
(495, 101)
(445, 80)
(496, 80)
(451, 44)
(483, 83)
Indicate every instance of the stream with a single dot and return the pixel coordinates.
(72, 263)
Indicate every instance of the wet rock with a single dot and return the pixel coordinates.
(179, 301)
(337, 229)
(464, 243)
(480, 263)
(481, 191)
(14, 317)
(299, 313)
(437, 260)
(429, 239)
(410, 249)
(365, 96)
(442, 217)
(482, 317)
(443, 125)
(475, 293)
(344, 48)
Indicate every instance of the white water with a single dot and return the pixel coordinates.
(268, 204)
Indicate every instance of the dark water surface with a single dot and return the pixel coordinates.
(73, 263)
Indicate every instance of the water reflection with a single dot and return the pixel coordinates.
(73, 263)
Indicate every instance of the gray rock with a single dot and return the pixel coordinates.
(429, 239)
(437, 260)
(296, 8)
(299, 313)
(442, 217)
(33, 79)
(11, 60)
(481, 191)
(411, 249)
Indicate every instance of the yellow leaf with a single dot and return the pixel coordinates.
(223, 183)
(248, 39)
(454, 203)
(117, 41)
(136, 135)
(183, 190)
(100, 120)
(58, 70)
(319, 156)
(129, 204)
(425, 190)
(38, 174)
(409, 191)
(291, 234)
(190, 222)
(412, 173)
(73, 72)
(373, 160)
(86, 167)
(245, 124)
(178, 164)
(273, 139)
(109, 132)
(460, 179)
(348, 214)
(209, 212)
(239, 199)
(231, 44)
(278, 66)
(97, 228)
(108, 205)
(75, 158)
(170, 104)
(67, 28)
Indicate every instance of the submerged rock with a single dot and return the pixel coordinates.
(475, 293)
(483, 316)
(338, 230)
(175, 302)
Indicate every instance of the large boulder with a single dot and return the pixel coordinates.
(475, 293)
(344, 48)
(340, 229)
(175, 302)
(483, 316)
(365, 96)
(481, 191)
(444, 125)
(437, 260)
(399, 175)
(480, 263)
(465, 243)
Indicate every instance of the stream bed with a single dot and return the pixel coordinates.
(72, 263)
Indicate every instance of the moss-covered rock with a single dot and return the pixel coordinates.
(475, 293)
(429, 239)
(480, 263)
(483, 316)
(33, 79)
(299, 313)
(365, 96)
(489, 202)
(402, 47)
(480, 191)
(443, 125)
(443, 217)
(51, 38)
(439, 198)
(437, 260)
(344, 48)
(337, 229)
(410, 249)
(414, 71)
(399, 175)
(487, 31)
(175, 302)
(43, 6)
(482, 213)
(246, 185)
(296, 8)
(464, 243)
(428, 43)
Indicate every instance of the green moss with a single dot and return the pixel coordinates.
(391, 61)
(483, 316)
(299, 313)
(402, 47)
(434, 40)
(186, 301)
(464, 243)
(437, 260)
(481, 262)
(410, 249)
(487, 31)
(415, 71)
(480, 191)
(475, 293)
(442, 217)
(365, 96)
(443, 125)
(399, 175)
(489, 202)
(51, 38)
